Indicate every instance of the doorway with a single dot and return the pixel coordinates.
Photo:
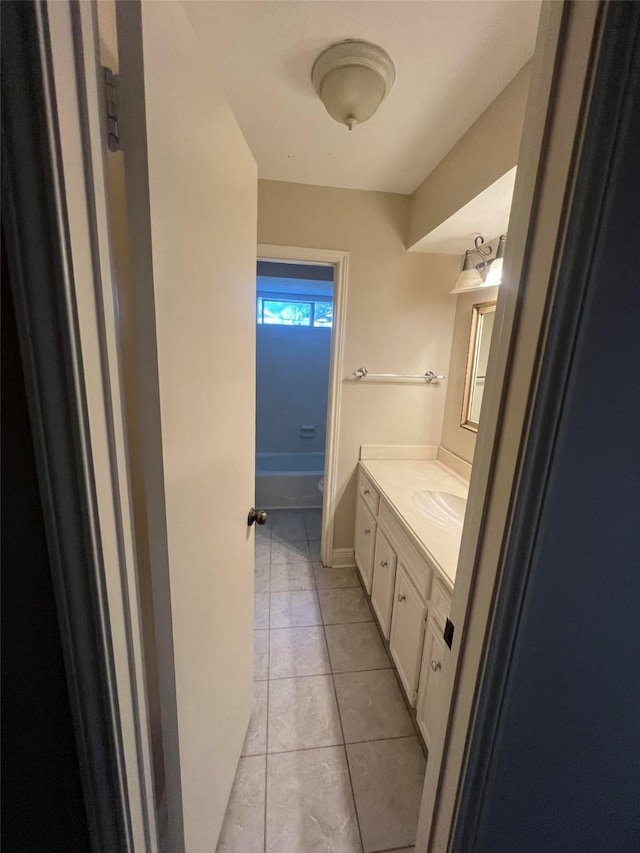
(294, 315)
(305, 480)
(294, 318)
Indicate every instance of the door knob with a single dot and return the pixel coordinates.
(436, 665)
(402, 597)
(258, 515)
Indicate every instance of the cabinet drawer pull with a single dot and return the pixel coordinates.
(367, 531)
(384, 564)
(435, 665)
(367, 492)
(402, 597)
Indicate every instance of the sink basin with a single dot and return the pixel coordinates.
(440, 507)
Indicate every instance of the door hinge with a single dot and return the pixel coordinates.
(447, 634)
(111, 106)
(415, 697)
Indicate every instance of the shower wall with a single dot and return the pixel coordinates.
(292, 374)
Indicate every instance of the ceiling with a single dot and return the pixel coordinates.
(452, 57)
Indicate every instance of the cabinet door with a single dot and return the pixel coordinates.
(429, 705)
(407, 632)
(365, 540)
(384, 575)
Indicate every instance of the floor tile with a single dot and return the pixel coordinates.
(288, 525)
(334, 578)
(295, 609)
(261, 612)
(288, 576)
(371, 706)
(388, 814)
(289, 552)
(356, 646)
(314, 550)
(255, 743)
(261, 576)
(343, 605)
(313, 523)
(298, 651)
(310, 804)
(303, 713)
(260, 655)
(243, 827)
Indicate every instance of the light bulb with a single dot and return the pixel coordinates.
(495, 272)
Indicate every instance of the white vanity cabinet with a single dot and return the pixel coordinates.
(407, 632)
(429, 705)
(365, 542)
(384, 577)
(410, 595)
(367, 505)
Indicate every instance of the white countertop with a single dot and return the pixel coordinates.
(398, 481)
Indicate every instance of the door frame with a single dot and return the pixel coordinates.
(66, 312)
(563, 65)
(340, 262)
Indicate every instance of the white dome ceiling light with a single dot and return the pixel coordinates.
(352, 78)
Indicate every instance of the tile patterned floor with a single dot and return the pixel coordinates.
(330, 728)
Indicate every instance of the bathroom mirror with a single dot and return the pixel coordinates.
(481, 328)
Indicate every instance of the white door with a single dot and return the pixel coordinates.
(191, 185)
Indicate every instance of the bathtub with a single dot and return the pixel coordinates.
(286, 480)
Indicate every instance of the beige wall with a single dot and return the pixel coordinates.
(455, 438)
(485, 153)
(399, 316)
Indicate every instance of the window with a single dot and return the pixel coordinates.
(275, 311)
(323, 314)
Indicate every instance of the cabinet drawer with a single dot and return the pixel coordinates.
(440, 598)
(407, 632)
(369, 493)
(364, 541)
(384, 576)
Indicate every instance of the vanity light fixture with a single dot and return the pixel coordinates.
(486, 273)
(352, 78)
(469, 278)
(494, 276)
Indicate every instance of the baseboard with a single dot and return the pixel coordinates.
(342, 558)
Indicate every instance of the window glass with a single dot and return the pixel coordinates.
(274, 311)
(285, 313)
(323, 314)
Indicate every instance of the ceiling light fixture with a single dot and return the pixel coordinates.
(486, 273)
(352, 78)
